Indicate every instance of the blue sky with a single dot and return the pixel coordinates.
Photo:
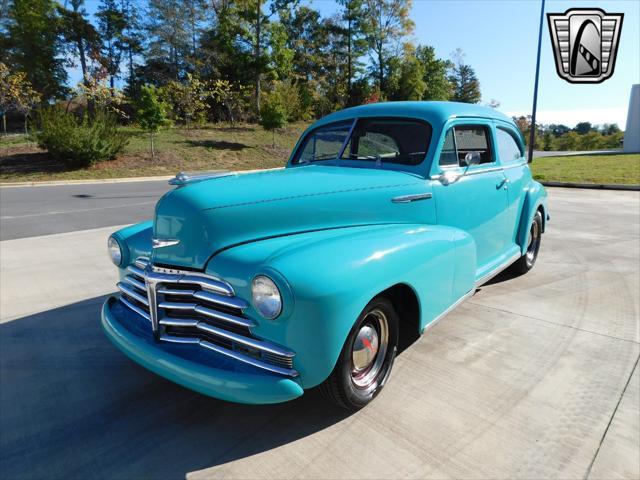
(499, 38)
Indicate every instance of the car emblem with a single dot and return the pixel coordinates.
(585, 43)
(160, 242)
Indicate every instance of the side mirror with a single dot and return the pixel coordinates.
(471, 158)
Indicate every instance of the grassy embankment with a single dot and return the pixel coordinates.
(245, 147)
(210, 147)
(599, 169)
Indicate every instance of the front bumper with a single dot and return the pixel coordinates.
(203, 371)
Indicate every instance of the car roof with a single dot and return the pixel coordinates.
(433, 112)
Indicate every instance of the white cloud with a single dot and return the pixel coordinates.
(596, 116)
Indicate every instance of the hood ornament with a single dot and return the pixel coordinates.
(163, 242)
(184, 178)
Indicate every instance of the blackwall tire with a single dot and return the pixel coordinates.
(528, 260)
(366, 358)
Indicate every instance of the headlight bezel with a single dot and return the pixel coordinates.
(116, 259)
(262, 289)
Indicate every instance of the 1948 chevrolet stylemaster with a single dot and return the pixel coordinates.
(254, 287)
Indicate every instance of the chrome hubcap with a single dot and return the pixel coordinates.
(369, 349)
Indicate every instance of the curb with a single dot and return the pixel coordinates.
(593, 186)
(113, 180)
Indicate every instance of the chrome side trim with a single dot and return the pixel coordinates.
(231, 354)
(433, 322)
(451, 170)
(484, 279)
(488, 276)
(183, 178)
(411, 198)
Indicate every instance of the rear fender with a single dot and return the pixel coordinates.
(535, 198)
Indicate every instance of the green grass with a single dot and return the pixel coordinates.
(599, 169)
(246, 147)
(208, 147)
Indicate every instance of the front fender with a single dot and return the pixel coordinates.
(135, 241)
(331, 275)
(535, 198)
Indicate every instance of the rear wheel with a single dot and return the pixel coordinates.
(528, 260)
(366, 358)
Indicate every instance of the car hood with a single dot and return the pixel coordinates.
(212, 215)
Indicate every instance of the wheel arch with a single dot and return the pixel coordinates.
(406, 303)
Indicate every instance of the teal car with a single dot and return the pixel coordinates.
(256, 287)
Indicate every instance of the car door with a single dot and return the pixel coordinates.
(472, 197)
(510, 149)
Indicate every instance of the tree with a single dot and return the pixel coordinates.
(150, 112)
(281, 54)
(31, 45)
(82, 36)
(273, 115)
(257, 19)
(410, 82)
(353, 19)
(234, 98)
(583, 128)
(131, 41)
(465, 83)
(16, 93)
(167, 28)
(187, 98)
(609, 129)
(438, 85)
(111, 27)
(387, 24)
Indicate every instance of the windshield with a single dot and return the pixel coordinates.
(370, 139)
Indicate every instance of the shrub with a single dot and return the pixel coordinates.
(79, 141)
(273, 114)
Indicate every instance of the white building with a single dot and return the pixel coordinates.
(632, 131)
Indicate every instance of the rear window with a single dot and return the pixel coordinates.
(380, 140)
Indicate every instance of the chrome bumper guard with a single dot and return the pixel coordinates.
(193, 308)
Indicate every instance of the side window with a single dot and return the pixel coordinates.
(463, 139)
(448, 156)
(373, 144)
(508, 147)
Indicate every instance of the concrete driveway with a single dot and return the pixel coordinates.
(533, 377)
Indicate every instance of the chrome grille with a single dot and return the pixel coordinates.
(194, 308)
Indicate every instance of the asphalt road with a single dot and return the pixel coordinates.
(533, 377)
(43, 210)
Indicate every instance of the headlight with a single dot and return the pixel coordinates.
(115, 252)
(266, 297)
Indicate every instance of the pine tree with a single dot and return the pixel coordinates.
(465, 82)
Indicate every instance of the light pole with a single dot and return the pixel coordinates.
(532, 134)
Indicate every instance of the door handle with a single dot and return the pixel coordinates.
(503, 183)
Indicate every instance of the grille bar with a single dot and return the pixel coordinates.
(194, 308)
(259, 345)
(130, 292)
(232, 354)
(135, 308)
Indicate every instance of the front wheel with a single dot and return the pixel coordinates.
(366, 358)
(528, 260)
